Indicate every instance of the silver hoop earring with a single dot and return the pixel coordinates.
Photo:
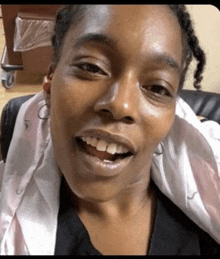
(39, 116)
(162, 150)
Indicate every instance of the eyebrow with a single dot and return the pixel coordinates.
(164, 58)
(96, 37)
(167, 60)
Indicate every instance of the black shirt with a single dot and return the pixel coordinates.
(173, 232)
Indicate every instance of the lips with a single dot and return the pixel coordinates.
(103, 150)
(105, 146)
(95, 164)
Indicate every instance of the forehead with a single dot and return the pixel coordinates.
(142, 28)
(129, 15)
(146, 18)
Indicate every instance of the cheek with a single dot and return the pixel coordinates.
(157, 122)
(70, 104)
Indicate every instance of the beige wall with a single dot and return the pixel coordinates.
(206, 20)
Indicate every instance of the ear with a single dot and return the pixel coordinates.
(47, 80)
(47, 84)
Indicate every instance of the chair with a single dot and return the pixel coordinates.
(205, 104)
(8, 118)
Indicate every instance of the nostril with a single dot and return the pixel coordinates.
(106, 112)
(128, 119)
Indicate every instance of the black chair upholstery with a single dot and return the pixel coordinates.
(8, 118)
(205, 104)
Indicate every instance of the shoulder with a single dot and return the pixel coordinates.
(181, 234)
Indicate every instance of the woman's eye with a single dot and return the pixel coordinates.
(91, 68)
(159, 89)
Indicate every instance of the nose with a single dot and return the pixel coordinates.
(120, 102)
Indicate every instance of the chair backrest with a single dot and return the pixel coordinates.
(8, 118)
(205, 104)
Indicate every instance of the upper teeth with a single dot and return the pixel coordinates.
(102, 145)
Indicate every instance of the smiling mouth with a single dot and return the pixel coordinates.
(107, 152)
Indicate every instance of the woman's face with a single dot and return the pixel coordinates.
(113, 96)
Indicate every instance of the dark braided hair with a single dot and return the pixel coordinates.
(71, 14)
(192, 45)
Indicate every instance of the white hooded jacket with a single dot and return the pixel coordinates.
(188, 172)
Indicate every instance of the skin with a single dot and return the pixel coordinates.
(116, 94)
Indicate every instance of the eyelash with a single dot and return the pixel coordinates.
(154, 88)
(89, 66)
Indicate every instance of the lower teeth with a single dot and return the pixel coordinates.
(107, 161)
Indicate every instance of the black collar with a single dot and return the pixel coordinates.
(173, 232)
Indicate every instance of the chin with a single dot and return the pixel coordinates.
(94, 192)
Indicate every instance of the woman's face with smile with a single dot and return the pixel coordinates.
(113, 96)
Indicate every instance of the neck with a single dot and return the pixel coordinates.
(127, 203)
